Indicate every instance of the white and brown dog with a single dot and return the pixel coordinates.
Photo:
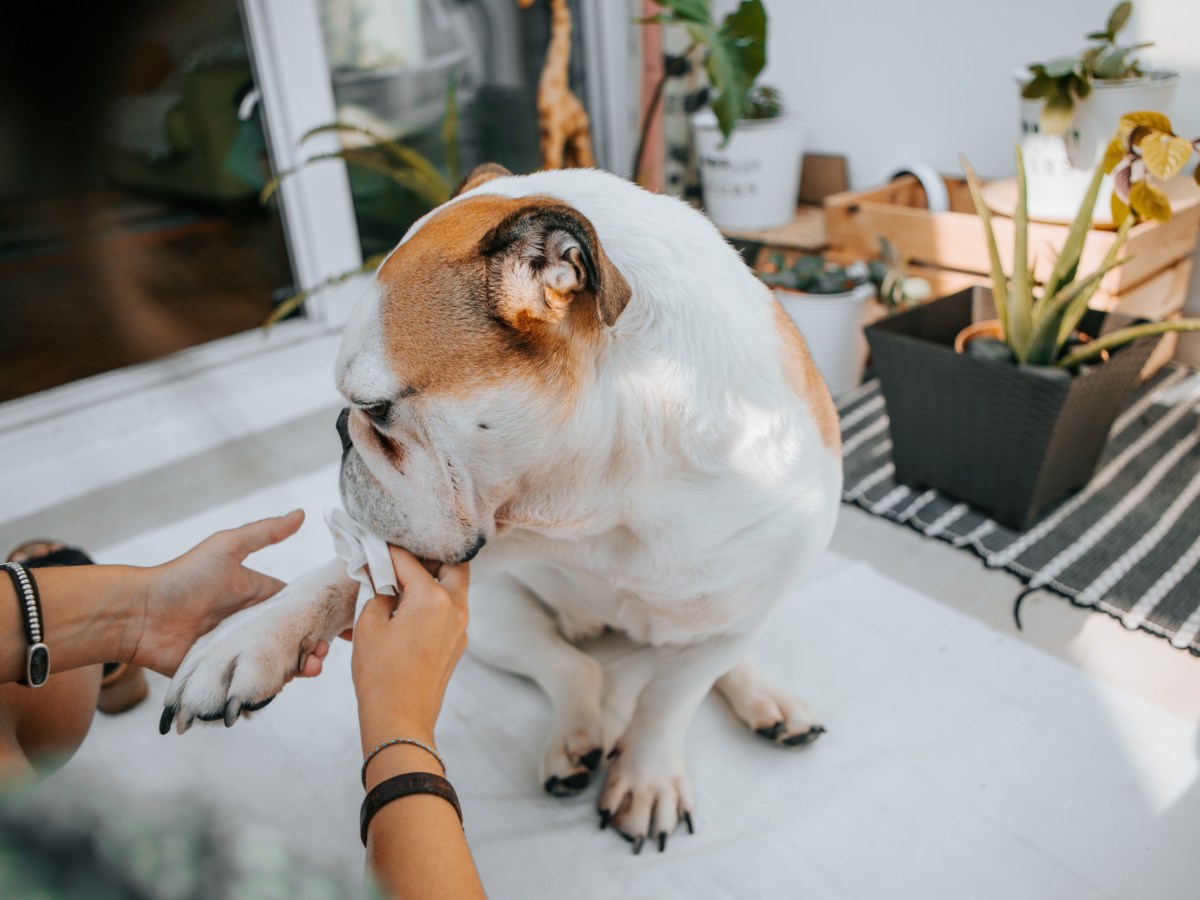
(585, 378)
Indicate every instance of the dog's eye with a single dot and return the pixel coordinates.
(378, 411)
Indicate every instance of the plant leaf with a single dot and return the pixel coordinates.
(1113, 154)
(1057, 113)
(1120, 210)
(1068, 258)
(1165, 154)
(1149, 118)
(294, 302)
(1118, 18)
(1075, 311)
(1063, 65)
(685, 11)
(737, 52)
(1020, 298)
(1149, 202)
(1040, 86)
(1123, 336)
(999, 280)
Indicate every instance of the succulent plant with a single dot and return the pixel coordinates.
(813, 275)
(1062, 81)
(1039, 323)
(762, 102)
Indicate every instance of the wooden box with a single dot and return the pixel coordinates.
(1152, 284)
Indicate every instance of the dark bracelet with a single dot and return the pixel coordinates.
(37, 657)
(403, 786)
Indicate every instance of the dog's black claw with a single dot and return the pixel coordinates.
(577, 782)
(551, 785)
(164, 723)
(662, 841)
(615, 751)
(807, 737)
(637, 844)
(605, 818)
(255, 707)
(687, 818)
(233, 708)
(591, 759)
(211, 717)
(770, 732)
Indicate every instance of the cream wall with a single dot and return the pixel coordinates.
(889, 84)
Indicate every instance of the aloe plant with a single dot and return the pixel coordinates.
(1062, 81)
(1038, 322)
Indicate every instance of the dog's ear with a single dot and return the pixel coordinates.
(482, 173)
(544, 258)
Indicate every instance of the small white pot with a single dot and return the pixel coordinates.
(1058, 168)
(832, 325)
(753, 181)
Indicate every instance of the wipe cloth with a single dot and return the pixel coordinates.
(361, 549)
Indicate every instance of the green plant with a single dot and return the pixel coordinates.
(400, 164)
(1062, 81)
(813, 275)
(895, 287)
(1145, 146)
(734, 53)
(1039, 323)
(762, 102)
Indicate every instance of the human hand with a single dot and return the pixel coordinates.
(189, 596)
(405, 651)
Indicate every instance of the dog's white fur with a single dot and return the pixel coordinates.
(685, 493)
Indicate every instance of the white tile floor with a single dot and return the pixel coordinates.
(960, 761)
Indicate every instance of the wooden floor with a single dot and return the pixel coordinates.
(142, 279)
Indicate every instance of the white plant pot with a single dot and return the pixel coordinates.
(753, 181)
(1058, 168)
(832, 325)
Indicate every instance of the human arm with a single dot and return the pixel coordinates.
(149, 616)
(402, 663)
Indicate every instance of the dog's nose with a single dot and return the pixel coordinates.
(343, 430)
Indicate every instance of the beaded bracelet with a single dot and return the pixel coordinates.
(394, 742)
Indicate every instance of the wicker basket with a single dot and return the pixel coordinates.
(1009, 440)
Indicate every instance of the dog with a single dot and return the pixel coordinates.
(579, 385)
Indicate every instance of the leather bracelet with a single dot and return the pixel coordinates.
(37, 657)
(404, 786)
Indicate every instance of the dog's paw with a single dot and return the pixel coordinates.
(646, 794)
(571, 756)
(770, 712)
(239, 666)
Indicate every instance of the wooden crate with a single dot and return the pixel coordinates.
(855, 220)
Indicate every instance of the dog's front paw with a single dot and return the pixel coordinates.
(239, 666)
(646, 794)
(572, 755)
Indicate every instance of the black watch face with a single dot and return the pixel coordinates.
(39, 665)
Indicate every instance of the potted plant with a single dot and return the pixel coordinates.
(1071, 105)
(751, 175)
(748, 145)
(1019, 422)
(830, 304)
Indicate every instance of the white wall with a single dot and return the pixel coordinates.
(888, 84)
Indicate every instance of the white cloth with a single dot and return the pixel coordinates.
(362, 550)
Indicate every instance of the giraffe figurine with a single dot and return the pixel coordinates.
(566, 139)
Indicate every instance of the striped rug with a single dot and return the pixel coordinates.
(1127, 544)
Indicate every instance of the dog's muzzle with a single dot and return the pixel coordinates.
(343, 430)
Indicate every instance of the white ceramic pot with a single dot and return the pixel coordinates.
(754, 180)
(1058, 168)
(832, 325)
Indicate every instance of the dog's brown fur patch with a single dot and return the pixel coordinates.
(805, 380)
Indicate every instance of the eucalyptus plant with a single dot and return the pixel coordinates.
(1062, 81)
(1038, 323)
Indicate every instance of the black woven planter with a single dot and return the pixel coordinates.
(1009, 440)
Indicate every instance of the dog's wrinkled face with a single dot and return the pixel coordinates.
(465, 361)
